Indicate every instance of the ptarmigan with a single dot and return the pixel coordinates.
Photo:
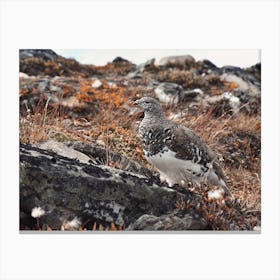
(179, 154)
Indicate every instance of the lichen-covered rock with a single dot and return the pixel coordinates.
(65, 188)
(178, 220)
(99, 155)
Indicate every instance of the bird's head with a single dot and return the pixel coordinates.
(149, 105)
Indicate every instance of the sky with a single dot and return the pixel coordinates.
(239, 57)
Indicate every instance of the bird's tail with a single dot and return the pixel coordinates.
(225, 187)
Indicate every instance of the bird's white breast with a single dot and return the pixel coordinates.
(174, 170)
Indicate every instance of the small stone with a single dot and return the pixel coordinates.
(23, 75)
(96, 84)
(100, 142)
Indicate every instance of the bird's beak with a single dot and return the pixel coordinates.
(138, 109)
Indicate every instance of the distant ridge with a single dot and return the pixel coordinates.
(46, 54)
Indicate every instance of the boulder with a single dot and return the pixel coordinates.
(137, 74)
(146, 65)
(119, 59)
(58, 192)
(169, 93)
(192, 95)
(100, 155)
(172, 93)
(244, 80)
(179, 61)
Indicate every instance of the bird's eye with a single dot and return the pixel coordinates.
(147, 102)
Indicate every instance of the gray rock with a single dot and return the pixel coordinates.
(100, 155)
(63, 150)
(245, 80)
(192, 95)
(180, 60)
(146, 65)
(137, 74)
(66, 190)
(171, 93)
(119, 59)
(179, 220)
(96, 83)
(208, 65)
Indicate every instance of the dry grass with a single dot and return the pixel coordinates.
(244, 183)
(116, 131)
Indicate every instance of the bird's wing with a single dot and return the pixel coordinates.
(189, 146)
